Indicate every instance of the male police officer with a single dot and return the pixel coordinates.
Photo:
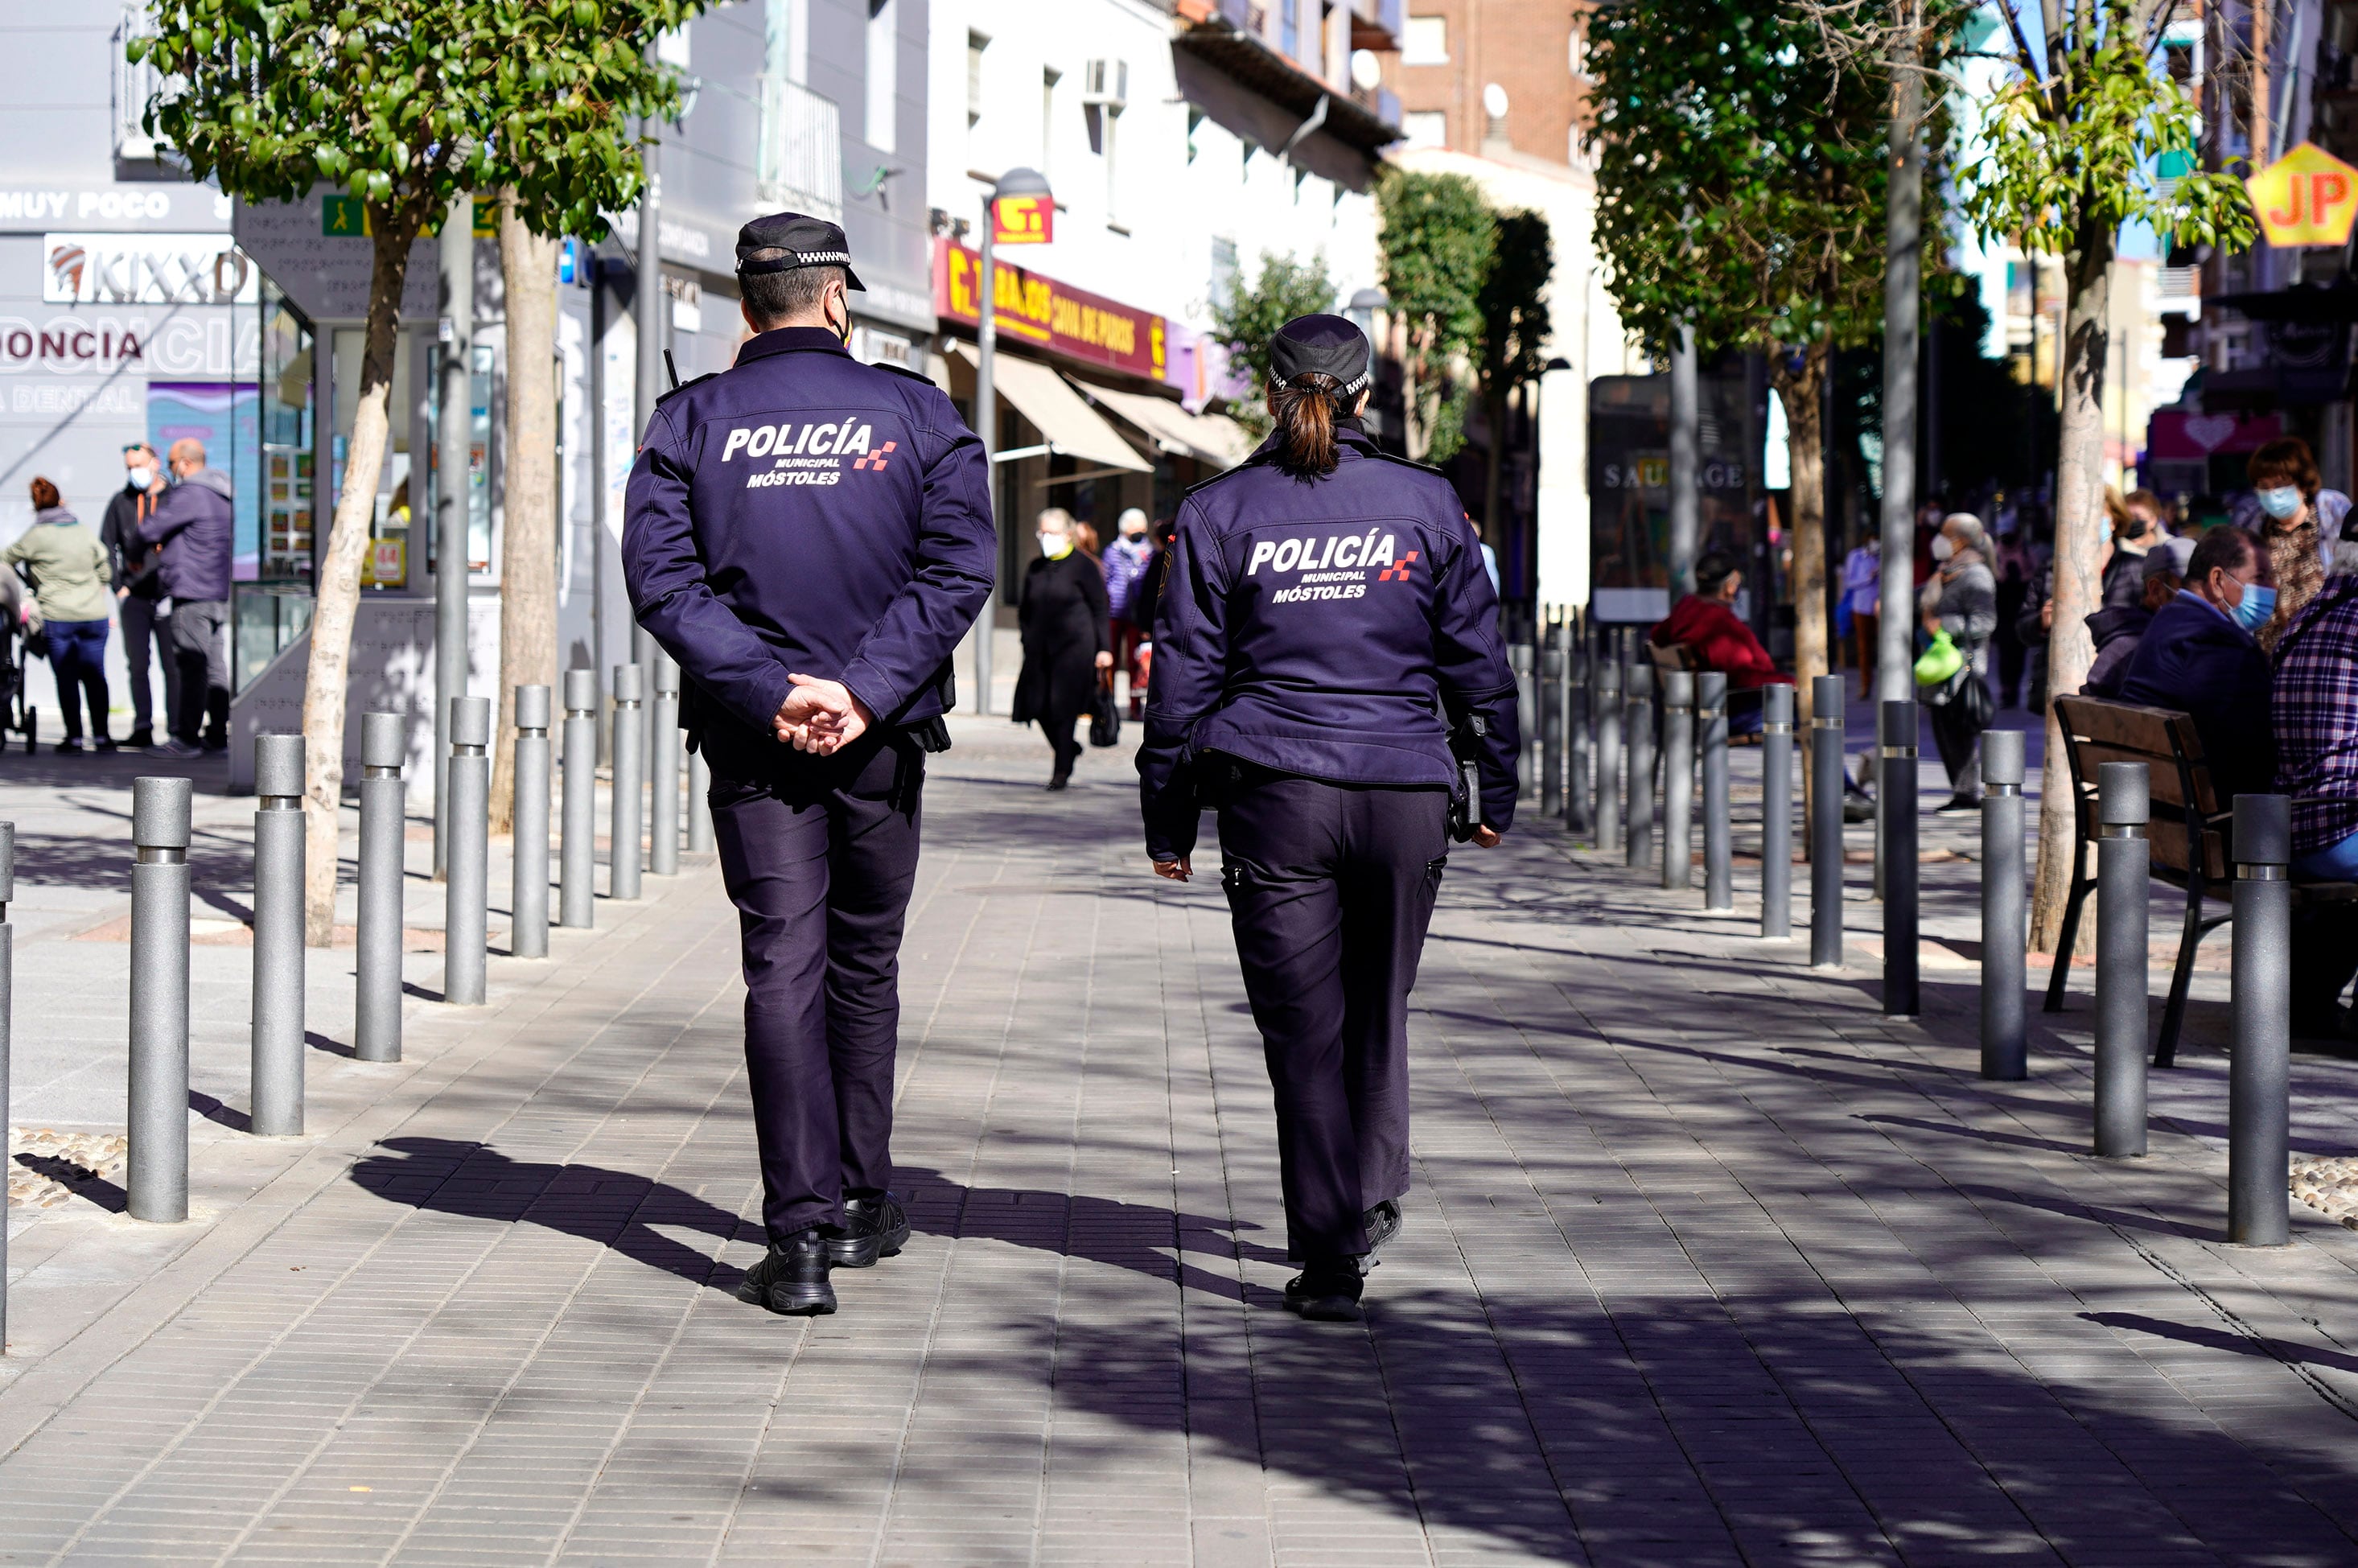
(809, 538)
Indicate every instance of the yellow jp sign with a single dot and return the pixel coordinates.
(2305, 197)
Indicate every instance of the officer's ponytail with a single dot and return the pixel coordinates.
(1305, 409)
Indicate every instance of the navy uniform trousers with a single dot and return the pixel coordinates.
(819, 855)
(1330, 888)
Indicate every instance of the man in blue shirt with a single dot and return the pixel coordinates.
(809, 538)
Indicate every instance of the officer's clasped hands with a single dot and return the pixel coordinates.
(820, 717)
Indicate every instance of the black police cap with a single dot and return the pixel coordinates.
(1330, 345)
(803, 242)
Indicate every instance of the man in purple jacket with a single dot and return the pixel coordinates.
(810, 537)
(194, 524)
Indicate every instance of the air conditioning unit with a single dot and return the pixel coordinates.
(1105, 84)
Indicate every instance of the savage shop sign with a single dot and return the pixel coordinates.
(1049, 315)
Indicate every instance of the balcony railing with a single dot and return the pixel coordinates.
(133, 86)
(800, 160)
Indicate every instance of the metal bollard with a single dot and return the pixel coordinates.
(2006, 1045)
(699, 805)
(277, 1039)
(156, 1176)
(2259, 1067)
(662, 770)
(465, 915)
(529, 897)
(1826, 699)
(376, 940)
(630, 750)
(1608, 783)
(1638, 703)
(1777, 813)
(1580, 747)
(578, 893)
(1678, 779)
(1551, 690)
(1718, 854)
(7, 1006)
(1520, 659)
(2124, 866)
(1897, 811)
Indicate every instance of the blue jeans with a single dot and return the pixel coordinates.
(2334, 863)
(78, 659)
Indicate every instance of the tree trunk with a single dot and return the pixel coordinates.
(529, 545)
(1803, 390)
(2080, 530)
(1416, 415)
(339, 587)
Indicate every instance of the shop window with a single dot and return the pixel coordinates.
(289, 443)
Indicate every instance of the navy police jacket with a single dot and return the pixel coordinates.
(1334, 628)
(805, 512)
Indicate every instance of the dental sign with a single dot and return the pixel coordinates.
(2305, 197)
(145, 269)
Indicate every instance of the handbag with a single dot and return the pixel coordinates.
(1105, 714)
(1939, 664)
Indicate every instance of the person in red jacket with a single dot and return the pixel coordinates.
(1706, 622)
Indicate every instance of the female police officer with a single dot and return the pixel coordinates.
(1325, 626)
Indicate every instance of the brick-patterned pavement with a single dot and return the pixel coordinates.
(1705, 1263)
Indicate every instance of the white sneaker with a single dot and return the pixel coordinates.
(175, 747)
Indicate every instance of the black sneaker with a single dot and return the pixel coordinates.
(70, 744)
(104, 744)
(1327, 1293)
(872, 1228)
(791, 1280)
(1384, 1223)
(1958, 806)
(140, 739)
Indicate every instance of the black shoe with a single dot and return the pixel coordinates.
(1958, 804)
(1327, 1293)
(70, 743)
(1384, 1223)
(872, 1228)
(791, 1280)
(103, 744)
(141, 740)
(1858, 808)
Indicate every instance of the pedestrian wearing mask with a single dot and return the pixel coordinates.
(1127, 561)
(2200, 655)
(1962, 600)
(2285, 481)
(1326, 625)
(813, 624)
(1067, 639)
(140, 589)
(69, 572)
(192, 527)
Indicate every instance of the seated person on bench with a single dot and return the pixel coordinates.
(2316, 719)
(1706, 623)
(2200, 656)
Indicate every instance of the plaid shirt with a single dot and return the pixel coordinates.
(2314, 711)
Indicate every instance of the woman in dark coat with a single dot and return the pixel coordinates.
(1067, 639)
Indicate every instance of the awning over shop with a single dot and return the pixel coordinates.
(1068, 425)
(1213, 438)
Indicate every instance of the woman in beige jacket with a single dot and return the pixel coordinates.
(70, 574)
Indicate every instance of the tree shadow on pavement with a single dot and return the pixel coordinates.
(619, 1209)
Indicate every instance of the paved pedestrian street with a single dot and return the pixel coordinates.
(1705, 1263)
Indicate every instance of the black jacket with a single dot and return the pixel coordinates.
(1065, 624)
(1333, 628)
(133, 560)
(2195, 660)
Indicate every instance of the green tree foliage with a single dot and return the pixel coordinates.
(1250, 316)
(405, 104)
(2067, 156)
(1511, 351)
(1740, 191)
(1438, 237)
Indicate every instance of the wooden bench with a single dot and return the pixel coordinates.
(2186, 836)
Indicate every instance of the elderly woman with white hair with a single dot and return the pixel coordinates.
(1961, 598)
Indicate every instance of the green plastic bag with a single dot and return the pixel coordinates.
(1939, 662)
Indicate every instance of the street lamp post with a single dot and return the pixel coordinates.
(1014, 182)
